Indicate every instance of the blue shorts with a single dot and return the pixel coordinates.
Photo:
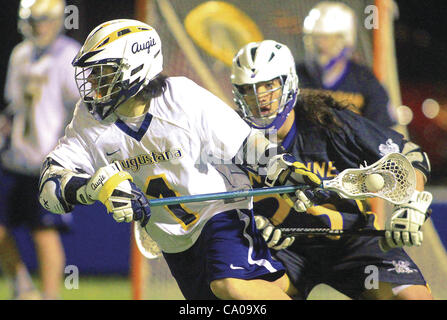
(19, 204)
(229, 246)
(345, 265)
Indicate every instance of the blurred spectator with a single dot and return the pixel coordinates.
(329, 42)
(41, 94)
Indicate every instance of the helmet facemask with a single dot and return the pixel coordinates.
(324, 48)
(261, 108)
(100, 87)
(329, 34)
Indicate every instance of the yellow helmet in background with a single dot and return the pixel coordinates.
(41, 20)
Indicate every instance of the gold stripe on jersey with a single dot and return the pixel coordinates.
(324, 169)
(334, 216)
(375, 221)
(283, 206)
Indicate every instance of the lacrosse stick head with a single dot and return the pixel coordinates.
(145, 244)
(399, 180)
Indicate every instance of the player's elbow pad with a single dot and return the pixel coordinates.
(418, 158)
(60, 189)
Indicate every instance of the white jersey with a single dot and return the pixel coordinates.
(165, 151)
(41, 92)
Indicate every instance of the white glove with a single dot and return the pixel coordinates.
(403, 228)
(304, 199)
(272, 235)
(115, 189)
(300, 202)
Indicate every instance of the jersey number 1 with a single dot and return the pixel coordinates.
(159, 187)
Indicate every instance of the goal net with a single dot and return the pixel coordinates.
(201, 37)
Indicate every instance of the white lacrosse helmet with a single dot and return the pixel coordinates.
(133, 51)
(35, 11)
(330, 19)
(259, 62)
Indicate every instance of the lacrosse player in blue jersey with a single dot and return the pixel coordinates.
(137, 134)
(329, 42)
(328, 138)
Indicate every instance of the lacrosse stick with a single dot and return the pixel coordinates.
(296, 232)
(397, 173)
(147, 247)
(399, 183)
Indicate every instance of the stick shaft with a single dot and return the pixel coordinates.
(224, 195)
(295, 232)
(330, 232)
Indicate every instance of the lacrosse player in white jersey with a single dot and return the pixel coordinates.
(137, 134)
(41, 92)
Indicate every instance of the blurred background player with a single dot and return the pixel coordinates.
(328, 138)
(329, 42)
(41, 94)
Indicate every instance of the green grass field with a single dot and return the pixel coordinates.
(90, 288)
(119, 288)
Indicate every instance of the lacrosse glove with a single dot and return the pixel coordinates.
(403, 228)
(272, 235)
(123, 199)
(283, 169)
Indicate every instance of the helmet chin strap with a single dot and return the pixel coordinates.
(344, 54)
(280, 117)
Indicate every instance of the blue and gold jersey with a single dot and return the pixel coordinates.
(328, 152)
(356, 86)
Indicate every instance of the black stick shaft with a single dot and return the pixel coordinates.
(292, 232)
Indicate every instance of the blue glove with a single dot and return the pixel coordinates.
(320, 196)
(140, 206)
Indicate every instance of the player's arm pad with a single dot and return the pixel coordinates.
(61, 189)
(418, 158)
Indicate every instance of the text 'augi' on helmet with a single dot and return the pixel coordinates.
(117, 60)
